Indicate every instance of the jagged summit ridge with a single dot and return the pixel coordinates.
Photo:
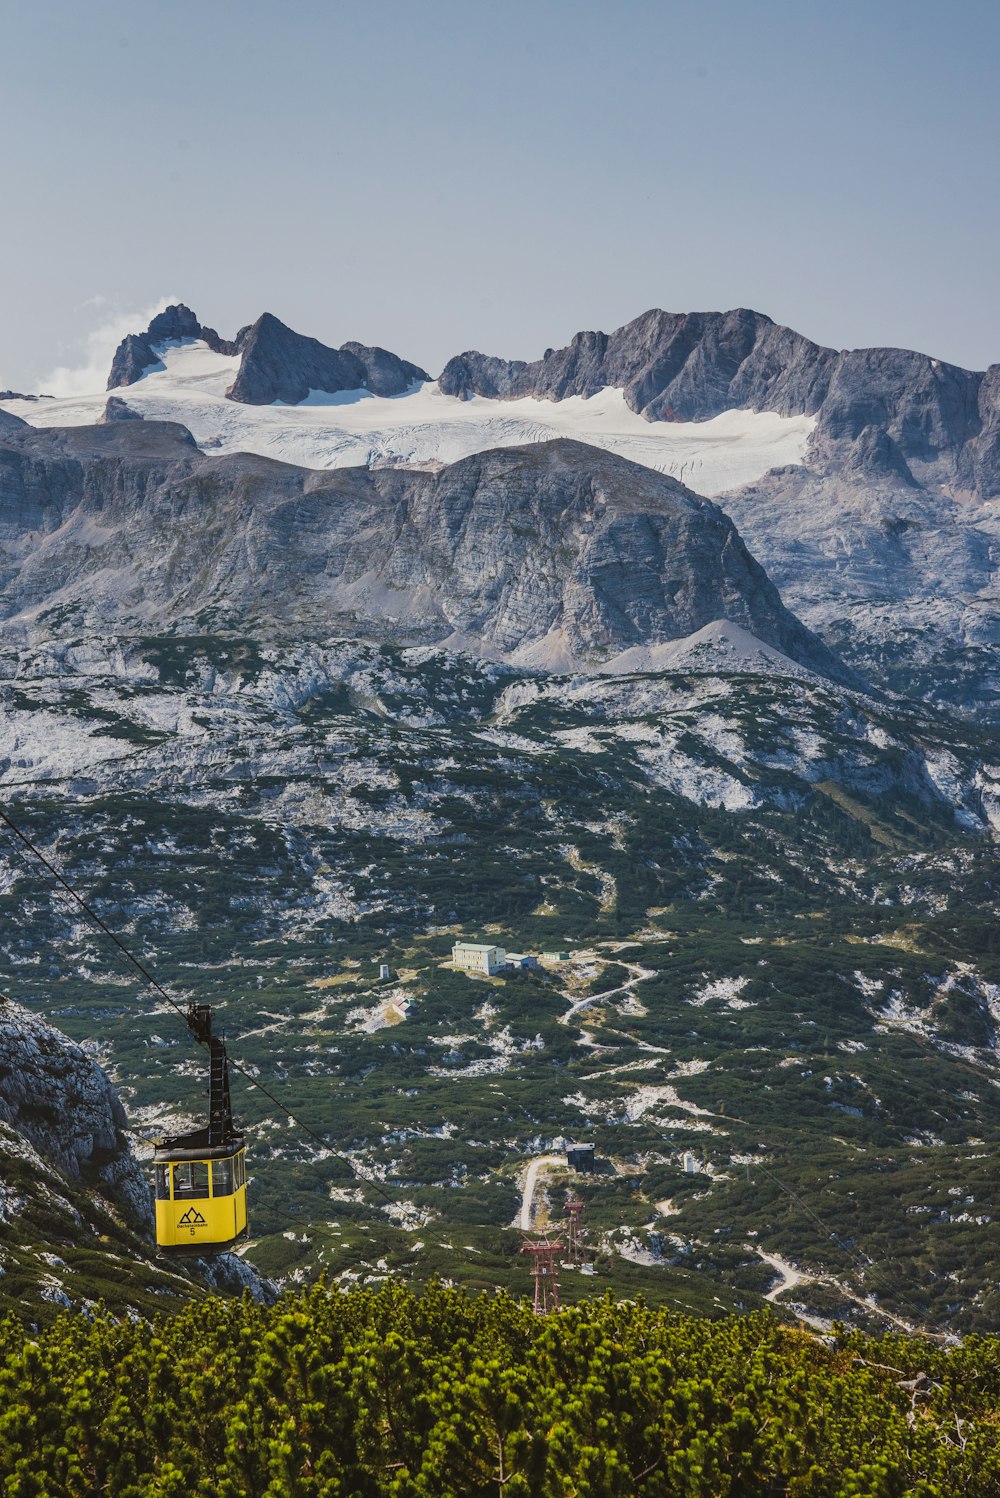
(671, 366)
(138, 352)
(276, 363)
(878, 409)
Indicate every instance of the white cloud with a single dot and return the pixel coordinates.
(96, 349)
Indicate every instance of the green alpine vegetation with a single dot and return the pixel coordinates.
(381, 1392)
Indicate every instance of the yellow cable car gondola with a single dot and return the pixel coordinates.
(201, 1187)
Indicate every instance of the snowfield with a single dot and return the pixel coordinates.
(425, 428)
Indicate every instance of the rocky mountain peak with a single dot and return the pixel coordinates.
(671, 367)
(177, 321)
(279, 364)
(694, 366)
(139, 352)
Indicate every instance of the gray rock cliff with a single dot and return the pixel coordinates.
(557, 548)
(57, 1098)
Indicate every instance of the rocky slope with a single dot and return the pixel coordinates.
(60, 1101)
(779, 894)
(873, 502)
(276, 364)
(74, 1204)
(555, 553)
(885, 538)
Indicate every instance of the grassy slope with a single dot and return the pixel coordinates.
(848, 1096)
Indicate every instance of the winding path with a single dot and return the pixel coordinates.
(639, 975)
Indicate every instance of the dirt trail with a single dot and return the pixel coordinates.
(530, 1182)
(639, 975)
(791, 1278)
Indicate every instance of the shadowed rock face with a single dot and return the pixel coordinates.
(280, 365)
(556, 548)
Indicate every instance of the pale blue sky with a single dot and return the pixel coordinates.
(442, 174)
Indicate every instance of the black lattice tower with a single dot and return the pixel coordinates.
(545, 1253)
(574, 1233)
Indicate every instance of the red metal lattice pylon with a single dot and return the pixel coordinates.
(545, 1267)
(574, 1234)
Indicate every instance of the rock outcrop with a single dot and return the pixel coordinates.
(57, 1098)
(115, 409)
(551, 553)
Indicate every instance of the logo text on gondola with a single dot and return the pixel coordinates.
(192, 1219)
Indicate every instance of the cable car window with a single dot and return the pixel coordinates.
(222, 1177)
(190, 1179)
(241, 1174)
(162, 1183)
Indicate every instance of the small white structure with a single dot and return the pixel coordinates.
(690, 1165)
(383, 970)
(477, 957)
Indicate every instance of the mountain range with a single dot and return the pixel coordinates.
(877, 410)
(864, 481)
(673, 651)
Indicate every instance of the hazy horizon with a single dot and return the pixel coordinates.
(446, 178)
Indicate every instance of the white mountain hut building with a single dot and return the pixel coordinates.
(478, 957)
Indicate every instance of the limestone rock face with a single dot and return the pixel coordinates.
(671, 366)
(555, 552)
(57, 1098)
(979, 461)
(874, 455)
